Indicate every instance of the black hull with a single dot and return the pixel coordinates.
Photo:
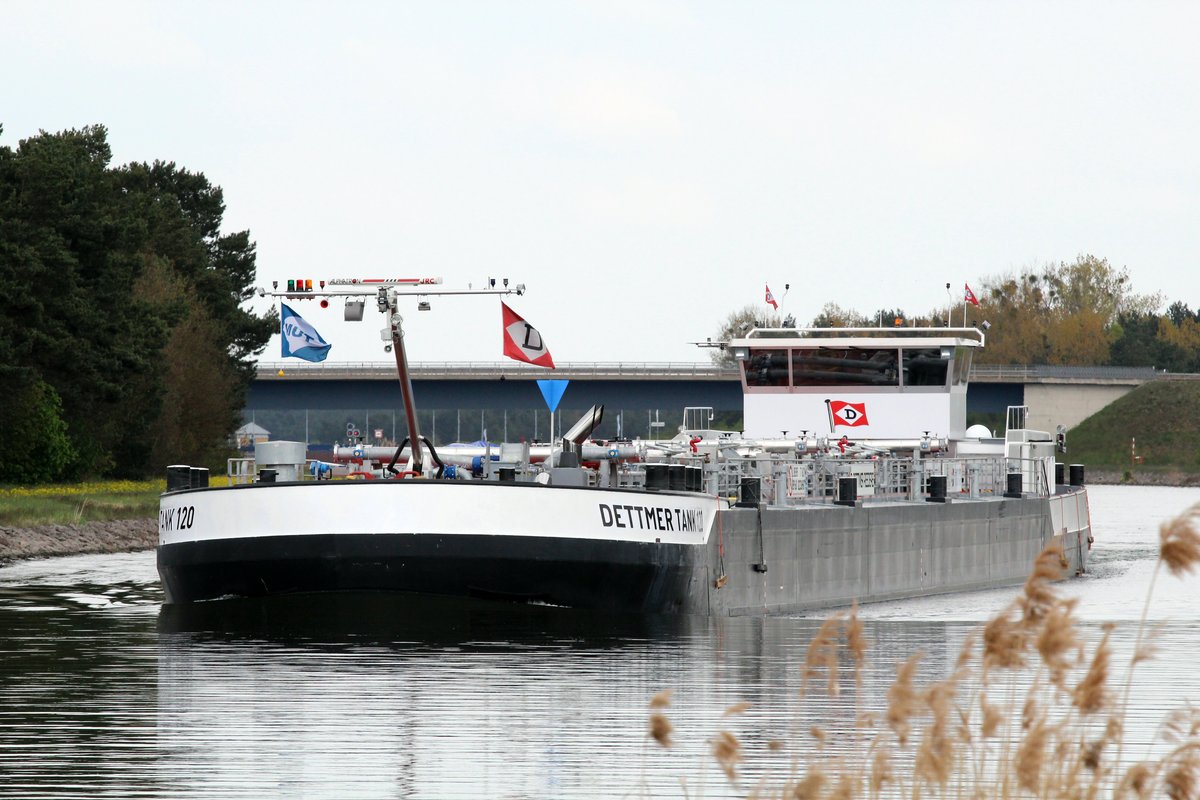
(579, 573)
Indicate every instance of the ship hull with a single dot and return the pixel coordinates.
(603, 549)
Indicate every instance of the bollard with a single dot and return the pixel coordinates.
(675, 477)
(1077, 474)
(937, 489)
(1014, 485)
(847, 492)
(199, 477)
(751, 492)
(656, 477)
(179, 476)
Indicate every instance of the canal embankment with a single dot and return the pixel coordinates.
(108, 536)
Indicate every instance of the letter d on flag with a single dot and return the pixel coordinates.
(300, 340)
(522, 341)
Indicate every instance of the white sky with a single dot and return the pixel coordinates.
(645, 167)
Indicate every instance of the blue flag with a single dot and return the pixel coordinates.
(300, 340)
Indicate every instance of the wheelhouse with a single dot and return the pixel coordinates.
(861, 382)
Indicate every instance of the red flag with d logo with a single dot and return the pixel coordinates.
(848, 414)
(522, 341)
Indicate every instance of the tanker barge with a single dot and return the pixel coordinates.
(855, 479)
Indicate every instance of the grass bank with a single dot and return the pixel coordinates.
(1162, 417)
(79, 503)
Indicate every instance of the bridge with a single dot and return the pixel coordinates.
(640, 398)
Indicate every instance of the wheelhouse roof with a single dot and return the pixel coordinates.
(814, 338)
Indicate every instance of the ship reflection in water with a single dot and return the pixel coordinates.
(387, 695)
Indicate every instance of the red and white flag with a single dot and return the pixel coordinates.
(771, 299)
(849, 414)
(969, 297)
(522, 341)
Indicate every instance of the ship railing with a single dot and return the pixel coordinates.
(796, 481)
(1035, 474)
(245, 470)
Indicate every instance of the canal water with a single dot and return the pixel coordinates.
(106, 693)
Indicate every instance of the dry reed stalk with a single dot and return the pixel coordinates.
(1004, 642)
(935, 755)
(993, 718)
(1038, 596)
(1182, 779)
(1179, 549)
(1179, 540)
(660, 727)
(727, 750)
(881, 771)
(810, 787)
(736, 708)
(1148, 647)
(856, 643)
(1182, 724)
(1138, 781)
(1092, 694)
(822, 653)
(1031, 756)
(902, 699)
(1058, 641)
(847, 786)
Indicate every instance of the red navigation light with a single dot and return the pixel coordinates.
(324, 303)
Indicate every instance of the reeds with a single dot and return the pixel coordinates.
(1026, 711)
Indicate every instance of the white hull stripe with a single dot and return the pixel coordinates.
(413, 507)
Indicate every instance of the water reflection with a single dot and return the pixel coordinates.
(413, 620)
(387, 696)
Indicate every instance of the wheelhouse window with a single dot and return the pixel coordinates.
(845, 366)
(962, 364)
(925, 366)
(766, 368)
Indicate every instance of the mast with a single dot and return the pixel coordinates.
(396, 323)
(387, 292)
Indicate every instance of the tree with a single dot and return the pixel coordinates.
(1066, 313)
(834, 316)
(33, 437)
(737, 325)
(99, 266)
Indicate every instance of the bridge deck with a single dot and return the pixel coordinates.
(664, 371)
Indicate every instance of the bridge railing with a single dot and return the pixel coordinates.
(486, 369)
(1027, 373)
(1013, 373)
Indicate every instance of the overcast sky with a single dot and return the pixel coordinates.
(646, 167)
